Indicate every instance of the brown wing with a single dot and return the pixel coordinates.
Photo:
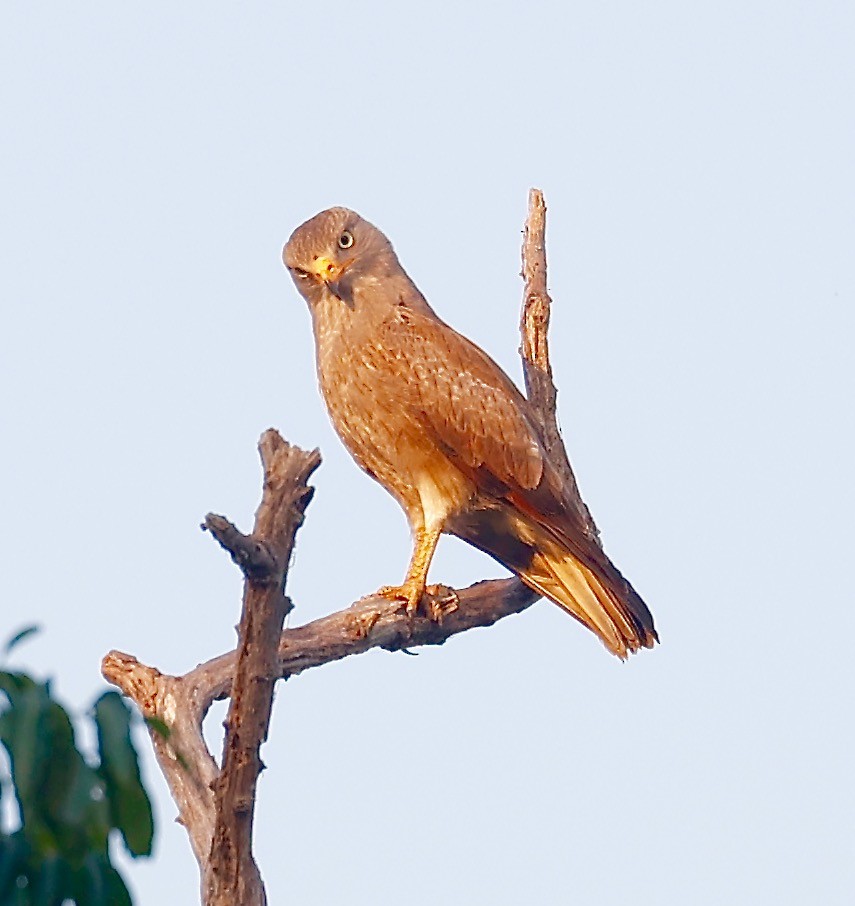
(481, 420)
(473, 409)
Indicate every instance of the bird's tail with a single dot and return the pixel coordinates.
(594, 592)
(576, 575)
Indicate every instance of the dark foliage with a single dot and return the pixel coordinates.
(67, 806)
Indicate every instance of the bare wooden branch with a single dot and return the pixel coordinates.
(373, 622)
(534, 328)
(537, 369)
(173, 709)
(251, 555)
(232, 875)
(216, 807)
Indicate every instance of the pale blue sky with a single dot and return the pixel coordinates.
(697, 159)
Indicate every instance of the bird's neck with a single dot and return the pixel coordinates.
(338, 323)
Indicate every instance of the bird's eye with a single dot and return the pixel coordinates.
(345, 241)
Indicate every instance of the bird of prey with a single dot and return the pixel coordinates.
(436, 422)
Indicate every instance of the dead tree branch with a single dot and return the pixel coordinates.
(216, 806)
(173, 710)
(264, 556)
(534, 329)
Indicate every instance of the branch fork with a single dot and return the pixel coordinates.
(252, 557)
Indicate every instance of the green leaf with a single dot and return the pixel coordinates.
(61, 762)
(94, 886)
(21, 896)
(56, 790)
(117, 893)
(159, 726)
(14, 685)
(19, 637)
(130, 807)
(13, 863)
(98, 882)
(67, 808)
(49, 882)
(24, 733)
(164, 731)
(85, 814)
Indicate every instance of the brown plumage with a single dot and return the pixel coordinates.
(443, 429)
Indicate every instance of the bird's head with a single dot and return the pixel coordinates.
(339, 253)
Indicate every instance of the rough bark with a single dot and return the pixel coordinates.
(534, 351)
(232, 875)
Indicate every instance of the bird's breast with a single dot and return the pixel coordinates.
(368, 391)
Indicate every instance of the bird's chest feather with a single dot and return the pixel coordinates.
(367, 384)
(365, 390)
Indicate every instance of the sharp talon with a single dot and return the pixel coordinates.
(441, 600)
(445, 595)
(403, 594)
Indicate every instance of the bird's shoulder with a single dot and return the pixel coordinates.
(472, 407)
(434, 350)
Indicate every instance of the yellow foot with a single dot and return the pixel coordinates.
(409, 594)
(439, 600)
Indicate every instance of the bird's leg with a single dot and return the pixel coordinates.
(414, 585)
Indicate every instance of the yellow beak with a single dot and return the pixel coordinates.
(331, 272)
(327, 269)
